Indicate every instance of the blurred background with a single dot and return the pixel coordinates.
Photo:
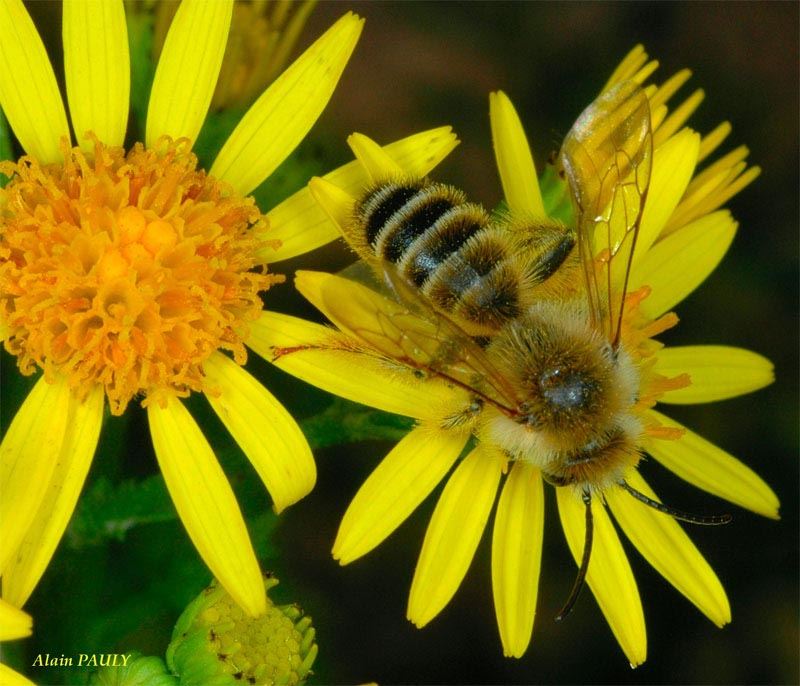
(424, 64)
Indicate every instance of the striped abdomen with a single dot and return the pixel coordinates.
(464, 263)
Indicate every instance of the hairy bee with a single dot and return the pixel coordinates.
(557, 386)
(548, 375)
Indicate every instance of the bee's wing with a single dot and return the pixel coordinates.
(607, 157)
(406, 329)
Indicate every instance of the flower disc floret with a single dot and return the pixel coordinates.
(126, 269)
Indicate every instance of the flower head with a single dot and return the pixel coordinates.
(386, 356)
(125, 274)
(138, 670)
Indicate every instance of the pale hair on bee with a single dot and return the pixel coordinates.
(524, 314)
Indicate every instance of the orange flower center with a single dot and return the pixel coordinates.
(126, 270)
(638, 333)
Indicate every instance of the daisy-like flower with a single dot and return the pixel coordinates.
(14, 623)
(682, 237)
(124, 275)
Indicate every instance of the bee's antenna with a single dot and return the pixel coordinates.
(587, 552)
(708, 520)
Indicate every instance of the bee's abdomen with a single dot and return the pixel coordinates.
(445, 246)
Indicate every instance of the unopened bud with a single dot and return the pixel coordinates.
(215, 643)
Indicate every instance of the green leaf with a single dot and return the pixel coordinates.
(216, 129)
(110, 511)
(555, 196)
(346, 422)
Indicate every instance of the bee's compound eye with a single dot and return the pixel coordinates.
(566, 389)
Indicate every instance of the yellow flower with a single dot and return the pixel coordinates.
(125, 274)
(683, 235)
(14, 623)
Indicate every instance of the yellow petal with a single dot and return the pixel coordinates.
(453, 534)
(673, 165)
(517, 555)
(712, 141)
(336, 203)
(645, 72)
(72, 464)
(678, 118)
(187, 70)
(364, 307)
(679, 263)
(609, 576)
(29, 93)
(667, 89)
(377, 163)
(302, 225)
(367, 379)
(712, 175)
(28, 456)
(713, 187)
(283, 115)
(706, 466)
(263, 429)
(404, 478)
(206, 504)
(717, 372)
(8, 677)
(97, 70)
(514, 159)
(631, 63)
(665, 545)
(14, 623)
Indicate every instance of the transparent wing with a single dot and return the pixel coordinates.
(607, 158)
(406, 329)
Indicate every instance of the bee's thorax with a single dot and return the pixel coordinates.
(576, 420)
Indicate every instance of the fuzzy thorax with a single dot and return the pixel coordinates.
(576, 420)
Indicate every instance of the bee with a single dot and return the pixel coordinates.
(548, 376)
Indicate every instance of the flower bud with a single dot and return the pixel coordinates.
(215, 643)
(138, 671)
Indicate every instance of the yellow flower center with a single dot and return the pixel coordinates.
(126, 270)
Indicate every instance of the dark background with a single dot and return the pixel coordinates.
(424, 64)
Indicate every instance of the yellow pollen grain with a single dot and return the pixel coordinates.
(126, 270)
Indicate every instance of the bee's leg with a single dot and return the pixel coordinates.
(587, 552)
(708, 520)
